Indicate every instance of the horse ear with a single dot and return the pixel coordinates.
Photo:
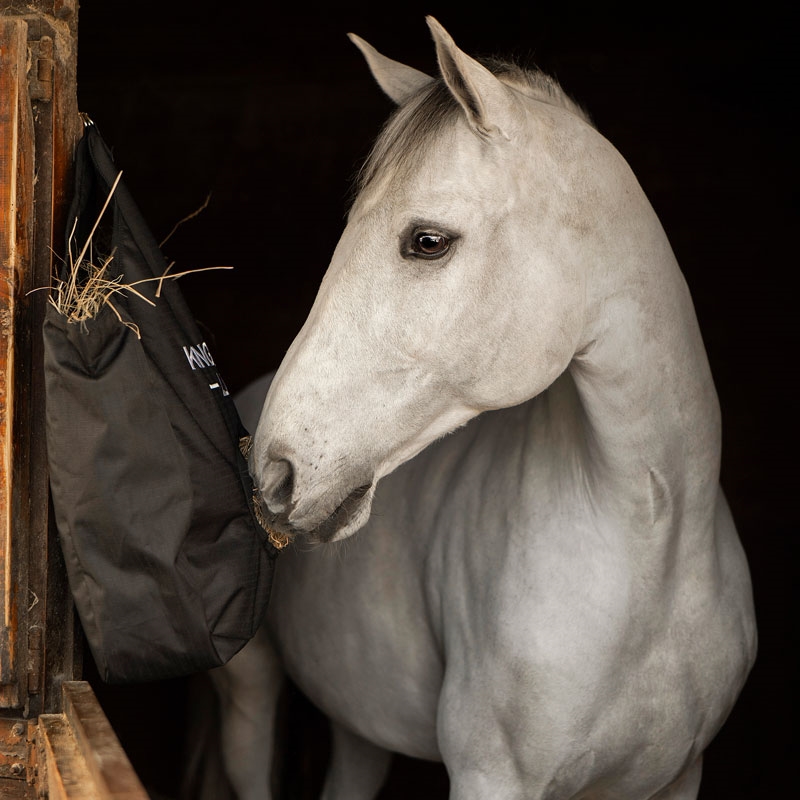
(396, 79)
(489, 104)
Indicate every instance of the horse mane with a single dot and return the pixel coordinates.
(432, 108)
(535, 84)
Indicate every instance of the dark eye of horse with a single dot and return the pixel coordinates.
(430, 245)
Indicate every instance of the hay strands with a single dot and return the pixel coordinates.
(277, 539)
(87, 288)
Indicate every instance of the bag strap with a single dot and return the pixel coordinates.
(106, 172)
(81, 215)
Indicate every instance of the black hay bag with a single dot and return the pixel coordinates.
(169, 569)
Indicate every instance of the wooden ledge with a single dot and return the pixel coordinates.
(79, 756)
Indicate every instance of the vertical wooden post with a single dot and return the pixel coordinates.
(16, 187)
(39, 127)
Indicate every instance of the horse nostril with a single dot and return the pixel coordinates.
(277, 482)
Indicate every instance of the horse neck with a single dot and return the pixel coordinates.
(644, 384)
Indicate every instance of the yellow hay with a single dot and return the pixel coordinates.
(87, 287)
(277, 539)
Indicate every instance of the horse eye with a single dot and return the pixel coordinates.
(429, 245)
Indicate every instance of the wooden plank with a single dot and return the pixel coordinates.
(57, 129)
(16, 148)
(113, 776)
(37, 627)
(78, 754)
(66, 772)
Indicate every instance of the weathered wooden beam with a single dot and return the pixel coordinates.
(66, 774)
(16, 225)
(81, 757)
(39, 127)
(57, 129)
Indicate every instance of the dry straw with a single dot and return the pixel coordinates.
(88, 286)
(277, 539)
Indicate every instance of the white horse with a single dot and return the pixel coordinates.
(553, 599)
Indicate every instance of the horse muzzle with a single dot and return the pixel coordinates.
(323, 519)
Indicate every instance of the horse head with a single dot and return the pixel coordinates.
(458, 285)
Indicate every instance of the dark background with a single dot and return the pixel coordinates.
(271, 108)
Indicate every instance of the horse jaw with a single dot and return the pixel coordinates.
(351, 515)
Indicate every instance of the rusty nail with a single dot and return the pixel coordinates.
(18, 729)
(17, 769)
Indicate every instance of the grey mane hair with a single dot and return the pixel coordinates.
(535, 84)
(431, 109)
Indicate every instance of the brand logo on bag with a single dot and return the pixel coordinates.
(199, 357)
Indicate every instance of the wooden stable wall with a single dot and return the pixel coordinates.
(54, 738)
(39, 127)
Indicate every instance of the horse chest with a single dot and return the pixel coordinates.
(491, 601)
(353, 631)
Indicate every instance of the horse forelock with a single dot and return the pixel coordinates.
(410, 130)
(407, 134)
